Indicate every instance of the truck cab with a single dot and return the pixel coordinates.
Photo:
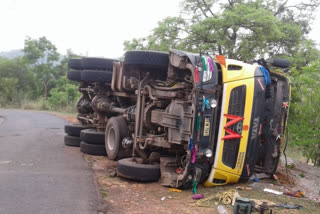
(252, 121)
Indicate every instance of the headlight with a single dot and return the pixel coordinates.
(208, 153)
(213, 103)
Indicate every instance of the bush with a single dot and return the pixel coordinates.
(64, 96)
(40, 104)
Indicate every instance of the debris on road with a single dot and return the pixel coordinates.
(273, 191)
(297, 194)
(197, 196)
(243, 188)
(242, 205)
(221, 209)
(174, 190)
(291, 206)
(165, 197)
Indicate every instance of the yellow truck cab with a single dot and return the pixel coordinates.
(252, 122)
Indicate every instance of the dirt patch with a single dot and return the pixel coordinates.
(126, 196)
(70, 118)
(303, 177)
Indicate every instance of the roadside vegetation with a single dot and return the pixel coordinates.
(244, 30)
(37, 80)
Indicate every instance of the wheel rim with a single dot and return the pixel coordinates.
(111, 139)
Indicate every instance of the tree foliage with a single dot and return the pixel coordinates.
(65, 93)
(305, 111)
(42, 57)
(239, 29)
(16, 80)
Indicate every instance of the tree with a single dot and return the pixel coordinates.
(7, 89)
(304, 116)
(238, 29)
(16, 69)
(42, 55)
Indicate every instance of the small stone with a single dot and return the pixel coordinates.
(112, 172)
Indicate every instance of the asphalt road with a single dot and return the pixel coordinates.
(38, 173)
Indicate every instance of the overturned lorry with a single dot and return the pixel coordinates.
(182, 117)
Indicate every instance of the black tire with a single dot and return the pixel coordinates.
(96, 76)
(280, 63)
(75, 64)
(92, 136)
(127, 168)
(72, 141)
(91, 63)
(116, 130)
(147, 58)
(92, 149)
(74, 75)
(74, 129)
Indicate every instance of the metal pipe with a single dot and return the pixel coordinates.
(168, 88)
(145, 144)
(143, 103)
(119, 110)
(138, 112)
(149, 92)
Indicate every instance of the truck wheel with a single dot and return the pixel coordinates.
(74, 75)
(280, 63)
(92, 149)
(116, 130)
(91, 63)
(130, 169)
(72, 140)
(75, 64)
(92, 136)
(147, 58)
(75, 129)
(96, 76)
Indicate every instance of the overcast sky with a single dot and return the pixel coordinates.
(93, 27)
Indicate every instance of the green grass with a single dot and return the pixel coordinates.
(40, 105)
(103, 192)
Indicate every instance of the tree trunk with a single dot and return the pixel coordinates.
(45, 90)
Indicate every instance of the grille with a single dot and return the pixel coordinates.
(236, 107)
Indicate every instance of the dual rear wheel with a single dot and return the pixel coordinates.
(94, 142)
